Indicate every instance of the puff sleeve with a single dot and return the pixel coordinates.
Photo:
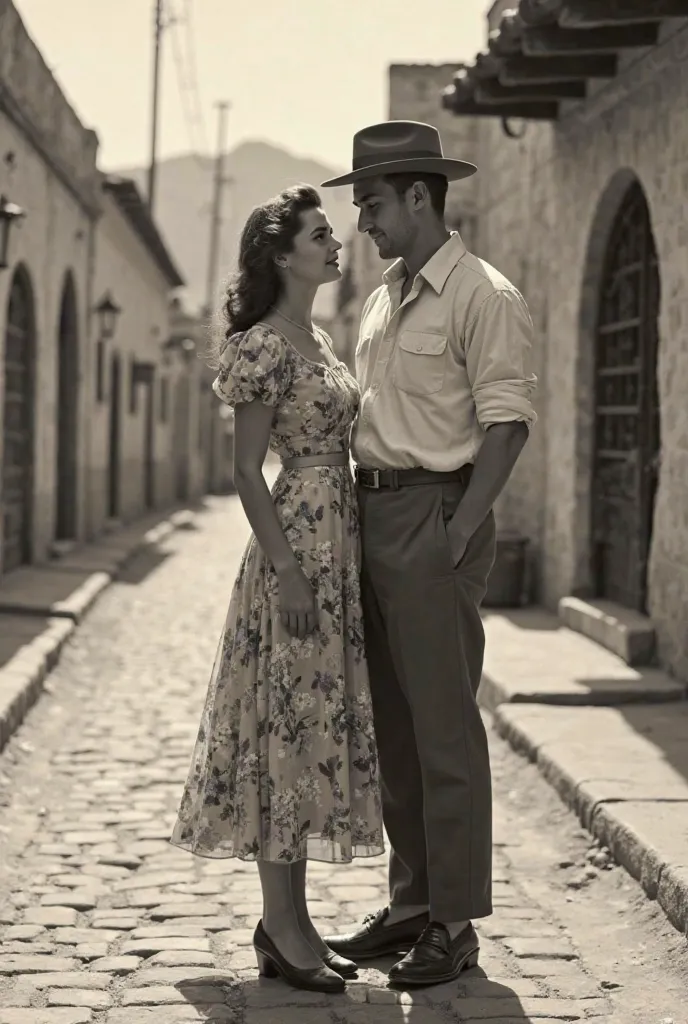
(253, 366)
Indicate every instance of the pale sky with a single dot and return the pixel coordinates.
(304, 74)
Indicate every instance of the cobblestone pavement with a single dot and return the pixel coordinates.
(101, 920)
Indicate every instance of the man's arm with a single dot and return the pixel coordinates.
(497, 344)
(493, 465)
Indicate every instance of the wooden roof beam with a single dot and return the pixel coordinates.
(470, 107)
(506, 39)
(486, 65)
(552, 41)
(462, 88)
(599, 13)
(500, 45)
(492, 92)
(531, 70)
(540, 12)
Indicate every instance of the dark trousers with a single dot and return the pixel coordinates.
(425, 643)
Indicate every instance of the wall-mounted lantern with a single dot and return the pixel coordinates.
(9, 213)
(107, 312)
(166, 348)
(184, 347)
(187, 347)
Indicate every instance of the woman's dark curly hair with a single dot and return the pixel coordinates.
(256, 286)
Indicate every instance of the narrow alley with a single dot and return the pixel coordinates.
(103, 921)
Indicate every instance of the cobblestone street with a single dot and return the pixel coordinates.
(103, 922)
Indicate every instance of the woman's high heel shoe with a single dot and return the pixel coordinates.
(345, 968)
(271, 963)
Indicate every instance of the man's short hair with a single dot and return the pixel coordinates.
(436, 185)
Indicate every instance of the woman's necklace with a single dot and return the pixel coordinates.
(301, 327)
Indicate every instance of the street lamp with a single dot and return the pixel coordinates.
(188, 347)
(107, 311)
(9, 212)
(166, 350)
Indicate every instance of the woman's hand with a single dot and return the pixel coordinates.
(298, 608)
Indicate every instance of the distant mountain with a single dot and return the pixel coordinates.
(258, 170)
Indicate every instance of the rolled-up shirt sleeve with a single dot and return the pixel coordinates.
(497, 346)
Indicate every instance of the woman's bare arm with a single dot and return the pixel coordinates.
(252, 423)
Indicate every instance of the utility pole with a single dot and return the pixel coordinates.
(216, 223)
(152, 169)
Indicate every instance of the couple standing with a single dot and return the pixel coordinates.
(354, 627)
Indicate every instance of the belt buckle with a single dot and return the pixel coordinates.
(365, 474)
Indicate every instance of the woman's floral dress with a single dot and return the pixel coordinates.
(285, 763)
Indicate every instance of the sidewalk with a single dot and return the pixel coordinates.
(41, 606)
(612, 740)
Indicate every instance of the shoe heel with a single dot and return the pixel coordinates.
(266, 968)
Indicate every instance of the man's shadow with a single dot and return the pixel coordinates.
(223, 997)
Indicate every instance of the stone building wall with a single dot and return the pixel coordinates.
(80, 240)
(47, 167)
(126, 270)
(546, 206)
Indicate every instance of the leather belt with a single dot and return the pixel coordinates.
(326, 459)
(375, 479)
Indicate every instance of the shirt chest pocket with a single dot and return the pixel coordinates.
(420, 362)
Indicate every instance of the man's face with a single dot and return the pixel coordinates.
(385, 216)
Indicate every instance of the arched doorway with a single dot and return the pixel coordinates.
(114, 435)
(67, 414)
(627, 439)
(18, 421)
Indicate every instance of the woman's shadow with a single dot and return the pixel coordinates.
(224, 997)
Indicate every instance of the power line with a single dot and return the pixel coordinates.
(153, 166)
(187, 82)
(193, 67)
(216, 221)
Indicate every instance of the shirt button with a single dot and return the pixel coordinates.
(419, 348)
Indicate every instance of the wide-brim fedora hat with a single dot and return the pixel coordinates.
(395, 147)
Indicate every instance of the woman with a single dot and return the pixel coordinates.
(285, 764)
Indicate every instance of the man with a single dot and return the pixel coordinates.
(445, 412)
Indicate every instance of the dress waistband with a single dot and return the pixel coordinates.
(326, 459)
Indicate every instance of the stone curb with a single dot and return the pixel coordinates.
(23, 676)
(663, 691)
(661, 881)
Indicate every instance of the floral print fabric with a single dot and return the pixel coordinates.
(285, 763)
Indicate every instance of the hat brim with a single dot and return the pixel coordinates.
(452, 170)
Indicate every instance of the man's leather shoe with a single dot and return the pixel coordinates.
(436, 958)
(374, 938)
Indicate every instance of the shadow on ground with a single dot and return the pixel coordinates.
(142, 565)
(16, 631)
(665, 726)
(222, 998)
(530, 617)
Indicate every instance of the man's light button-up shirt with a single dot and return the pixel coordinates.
(439, 368)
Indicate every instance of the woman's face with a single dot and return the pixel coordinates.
(313, 258)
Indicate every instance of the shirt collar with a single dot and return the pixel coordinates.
(437, 269)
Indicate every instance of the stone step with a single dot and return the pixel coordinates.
(532, 657)
(627, 633)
